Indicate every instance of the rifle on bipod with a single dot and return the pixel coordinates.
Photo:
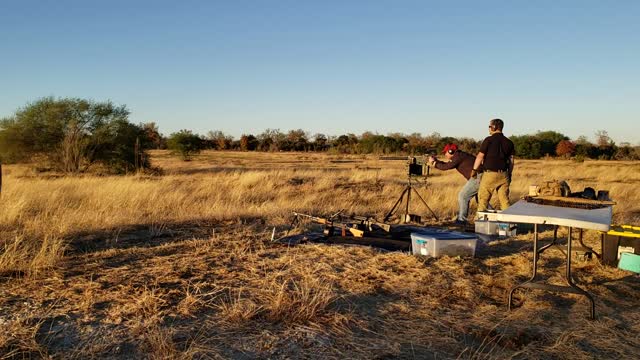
(354, 225)
(369, 222)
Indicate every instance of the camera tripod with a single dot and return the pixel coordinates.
(408, 189)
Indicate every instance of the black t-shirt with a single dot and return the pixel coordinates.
(497, 150)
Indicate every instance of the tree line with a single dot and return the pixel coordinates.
(188, 143)
(535, 146)
(76, 135)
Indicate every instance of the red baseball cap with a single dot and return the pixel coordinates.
(452, 147)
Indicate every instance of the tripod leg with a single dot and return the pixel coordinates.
(425, 204)
(386, 217)
(406, 212)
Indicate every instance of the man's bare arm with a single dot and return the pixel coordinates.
(479, 160)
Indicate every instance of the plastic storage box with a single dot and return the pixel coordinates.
(506, 230)
(491, 215)
(486, 227)
(436, 242)
(486, 223)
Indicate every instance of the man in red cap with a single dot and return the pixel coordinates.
(463, 162)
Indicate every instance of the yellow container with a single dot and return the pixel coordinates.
(619, 236)
(625, 230)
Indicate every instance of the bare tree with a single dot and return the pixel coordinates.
(602, 138)
(220, 140)
(73, 147)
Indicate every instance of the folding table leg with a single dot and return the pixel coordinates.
(553, 242)
(534, 273)
(588, 250)
(572, 284)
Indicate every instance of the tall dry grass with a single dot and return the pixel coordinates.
(227, 292)
(37, 212)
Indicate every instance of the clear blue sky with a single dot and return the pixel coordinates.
(334, 66)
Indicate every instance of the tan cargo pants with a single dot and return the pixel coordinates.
(493, 181)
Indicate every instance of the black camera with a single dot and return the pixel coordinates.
(417, 168)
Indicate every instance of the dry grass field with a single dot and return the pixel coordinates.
(181, 266)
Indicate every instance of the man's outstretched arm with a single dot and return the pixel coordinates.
(446, 165)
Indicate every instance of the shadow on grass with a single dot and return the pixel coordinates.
(152, 234)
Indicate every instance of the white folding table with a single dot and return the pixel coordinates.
(582, 219)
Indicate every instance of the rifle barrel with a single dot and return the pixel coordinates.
(393, 158)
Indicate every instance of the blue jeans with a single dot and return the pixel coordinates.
(468, 191)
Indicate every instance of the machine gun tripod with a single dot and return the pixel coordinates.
(414, 169)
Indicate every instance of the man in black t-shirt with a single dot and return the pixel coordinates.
(496, 157)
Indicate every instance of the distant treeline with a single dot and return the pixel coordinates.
(535, 146)
(273, 140)
(74, 135)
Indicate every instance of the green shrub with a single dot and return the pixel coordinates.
(185, 143)
(72, 135)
